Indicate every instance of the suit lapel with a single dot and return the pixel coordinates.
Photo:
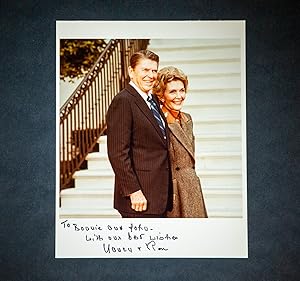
(184, 134)
(145, 109)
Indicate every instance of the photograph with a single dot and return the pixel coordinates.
(151, 139)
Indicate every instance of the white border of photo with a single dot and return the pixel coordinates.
(153, 238)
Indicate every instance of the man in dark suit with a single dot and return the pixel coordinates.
(137, 142)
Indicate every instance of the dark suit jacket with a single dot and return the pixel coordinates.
(138, 153)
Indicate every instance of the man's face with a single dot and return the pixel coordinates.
(144, 74)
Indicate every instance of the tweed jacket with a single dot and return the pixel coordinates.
(138, 153)
(188, 198)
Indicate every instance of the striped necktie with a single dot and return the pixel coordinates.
(156, 114)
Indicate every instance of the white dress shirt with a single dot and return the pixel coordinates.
(145, 96)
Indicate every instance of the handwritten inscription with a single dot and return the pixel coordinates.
(126, 238)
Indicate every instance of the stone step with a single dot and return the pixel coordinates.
(225, 212)
(198, 55)
(212, 112)
(217, 143)
(205, 67)
(87, 213)
(178, 44)
(94, 179)
(211, 179)
(213, 97)
(218, 161)
(102, 141)
(223, 204)
(98, 161)
(85, 199)
(102, 179)
(230, 126)
(214, 81)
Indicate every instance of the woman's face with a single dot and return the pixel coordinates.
(174, 95)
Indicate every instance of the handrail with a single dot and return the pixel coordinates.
(83, 115)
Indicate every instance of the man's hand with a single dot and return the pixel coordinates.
(138, 201)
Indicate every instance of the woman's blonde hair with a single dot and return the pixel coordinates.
(166, 75)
